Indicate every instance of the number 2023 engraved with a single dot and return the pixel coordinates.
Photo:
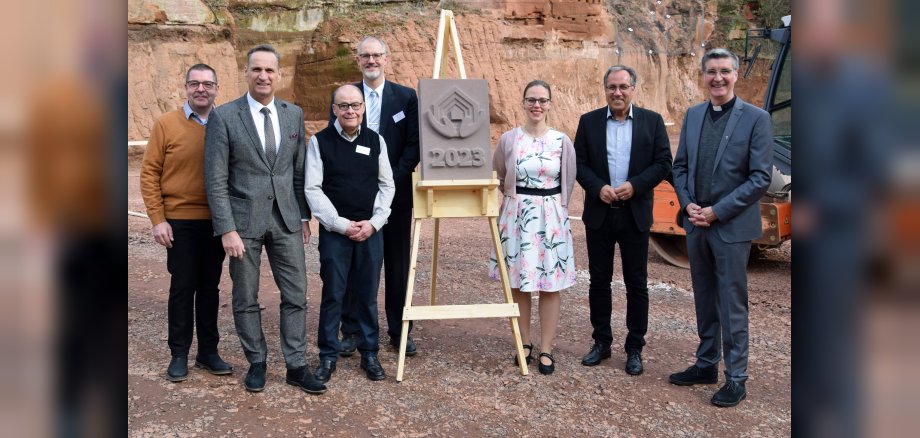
(462, 157)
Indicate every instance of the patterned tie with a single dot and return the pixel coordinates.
(373, 111)
(270, 152)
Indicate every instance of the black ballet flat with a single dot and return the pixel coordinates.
(547, 369)
(528, 358)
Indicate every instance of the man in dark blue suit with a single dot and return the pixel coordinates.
(622, 153)
(392, 111)
(721, 170)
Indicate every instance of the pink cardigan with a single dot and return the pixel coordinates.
(505, 158)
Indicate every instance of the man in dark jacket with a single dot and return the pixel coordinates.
(622, 152)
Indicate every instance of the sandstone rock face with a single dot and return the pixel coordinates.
(156, 77)
(568, 43)
(298, 20)
(169, 11)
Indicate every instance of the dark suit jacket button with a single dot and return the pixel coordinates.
(271, 197)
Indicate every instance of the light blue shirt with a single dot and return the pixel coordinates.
(258, 119)
(619, 146)
(190, 114)
(373, 117)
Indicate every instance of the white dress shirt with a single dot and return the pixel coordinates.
(259, 119)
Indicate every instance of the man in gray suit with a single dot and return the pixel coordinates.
(254, 175)
(721, 171)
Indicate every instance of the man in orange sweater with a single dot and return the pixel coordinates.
(172, 184)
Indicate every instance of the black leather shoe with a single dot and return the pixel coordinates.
(547, 369)
(373, 368)
(528, 358)
(598, 353)
(695, 376)
(214, 364)
(730, 394)
(178, 369)
(302, 378)
(324, 370)
(410, 345)
(634, 363)
(255, 377)
(348, 345)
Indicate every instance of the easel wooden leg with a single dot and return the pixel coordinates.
(410, 288)
(447, 35)
(434, 261)
(506, 286)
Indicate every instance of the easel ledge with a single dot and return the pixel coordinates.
(458, 184)
(454, 198)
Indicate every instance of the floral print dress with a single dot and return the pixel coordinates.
(534, 230)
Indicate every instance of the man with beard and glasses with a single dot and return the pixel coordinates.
(391, 110)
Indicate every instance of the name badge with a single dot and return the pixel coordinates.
(398, 116)
(363, 150)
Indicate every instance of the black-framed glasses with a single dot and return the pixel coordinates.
(345, 105)
(366, 56)
(208, 85)
(622, 87)
(531, 101)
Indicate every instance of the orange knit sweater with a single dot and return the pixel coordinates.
(172, 175)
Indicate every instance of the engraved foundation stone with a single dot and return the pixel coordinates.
(454, 129)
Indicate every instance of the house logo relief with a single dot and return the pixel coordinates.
(456, 115)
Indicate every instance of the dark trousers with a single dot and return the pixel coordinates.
(397, 245)
(719, 273)
(355, 267)
(194, 263)
(618, 228)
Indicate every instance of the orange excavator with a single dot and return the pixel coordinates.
(668, 238)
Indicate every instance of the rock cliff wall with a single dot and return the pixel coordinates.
(568, 43)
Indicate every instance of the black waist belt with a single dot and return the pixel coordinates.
(704, 204)
(538, 192)
(618, 204)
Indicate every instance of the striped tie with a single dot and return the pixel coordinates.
(373, 111)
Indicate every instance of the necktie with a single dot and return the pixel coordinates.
(373, 110)
(270, 152)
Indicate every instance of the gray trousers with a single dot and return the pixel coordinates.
(719, 273)
(286, 257)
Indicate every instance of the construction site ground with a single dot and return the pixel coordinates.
(463, 380)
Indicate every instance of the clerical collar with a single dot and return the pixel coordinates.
(724, 107)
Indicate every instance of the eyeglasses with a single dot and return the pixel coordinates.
(531, 101)
(366, 56)
(208, 85)
(723, 72)
(623, 88)
(344, 106)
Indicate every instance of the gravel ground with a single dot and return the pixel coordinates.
(463, 381)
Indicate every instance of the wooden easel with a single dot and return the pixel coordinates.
(455, 199)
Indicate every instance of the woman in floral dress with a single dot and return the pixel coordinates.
(536, 165)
